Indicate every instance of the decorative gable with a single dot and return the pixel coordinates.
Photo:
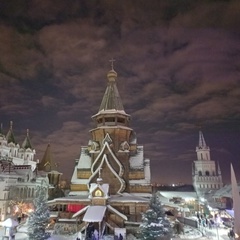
(107, 139)
(124, 146)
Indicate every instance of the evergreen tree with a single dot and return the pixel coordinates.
(154, 222)
(156, 206)
(39, 218)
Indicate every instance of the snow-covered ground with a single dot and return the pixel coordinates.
(189, 233)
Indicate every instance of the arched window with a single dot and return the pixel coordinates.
(200, 173)
(207, 173)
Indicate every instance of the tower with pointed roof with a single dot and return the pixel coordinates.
(112, 148)
(206, 173)
(18, 175)
(47, 163)
(111, 181)
(54, 176)
(27, 151)
(9, 148)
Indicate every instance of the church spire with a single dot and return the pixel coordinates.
(203, 151)
(10, 136)
(27, 143)
(202, 143)
(219, 169)
(111, 99)
(47, 163)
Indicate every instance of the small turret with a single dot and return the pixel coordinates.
(10, 136)
(27, 143)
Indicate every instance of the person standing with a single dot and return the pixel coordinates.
(231, 234)
(95, 234)
(120, 237)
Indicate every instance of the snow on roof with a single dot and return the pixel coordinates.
(94, 214)
(163, 199)
(118, 126)
(92, 211)
(126, 197)
(78, 193)
(144, 195)
(178, 194)
(139, 181)
(113, 111)
(136, 161)
(85, 159)
(104, 187)
(79, 198)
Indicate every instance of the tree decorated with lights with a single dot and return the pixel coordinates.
(18, 205)
(39, 218)
(154, 224)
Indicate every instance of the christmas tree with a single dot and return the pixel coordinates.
(39, 218)
(154, 224)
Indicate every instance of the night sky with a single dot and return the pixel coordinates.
(178, 65)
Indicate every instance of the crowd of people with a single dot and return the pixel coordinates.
(209, 221)
(215, 221)
(93, 234)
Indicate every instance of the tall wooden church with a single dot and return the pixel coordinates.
(111, 181)
(206, 173)
(112, 150)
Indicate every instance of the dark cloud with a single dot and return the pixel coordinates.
(178, 67)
